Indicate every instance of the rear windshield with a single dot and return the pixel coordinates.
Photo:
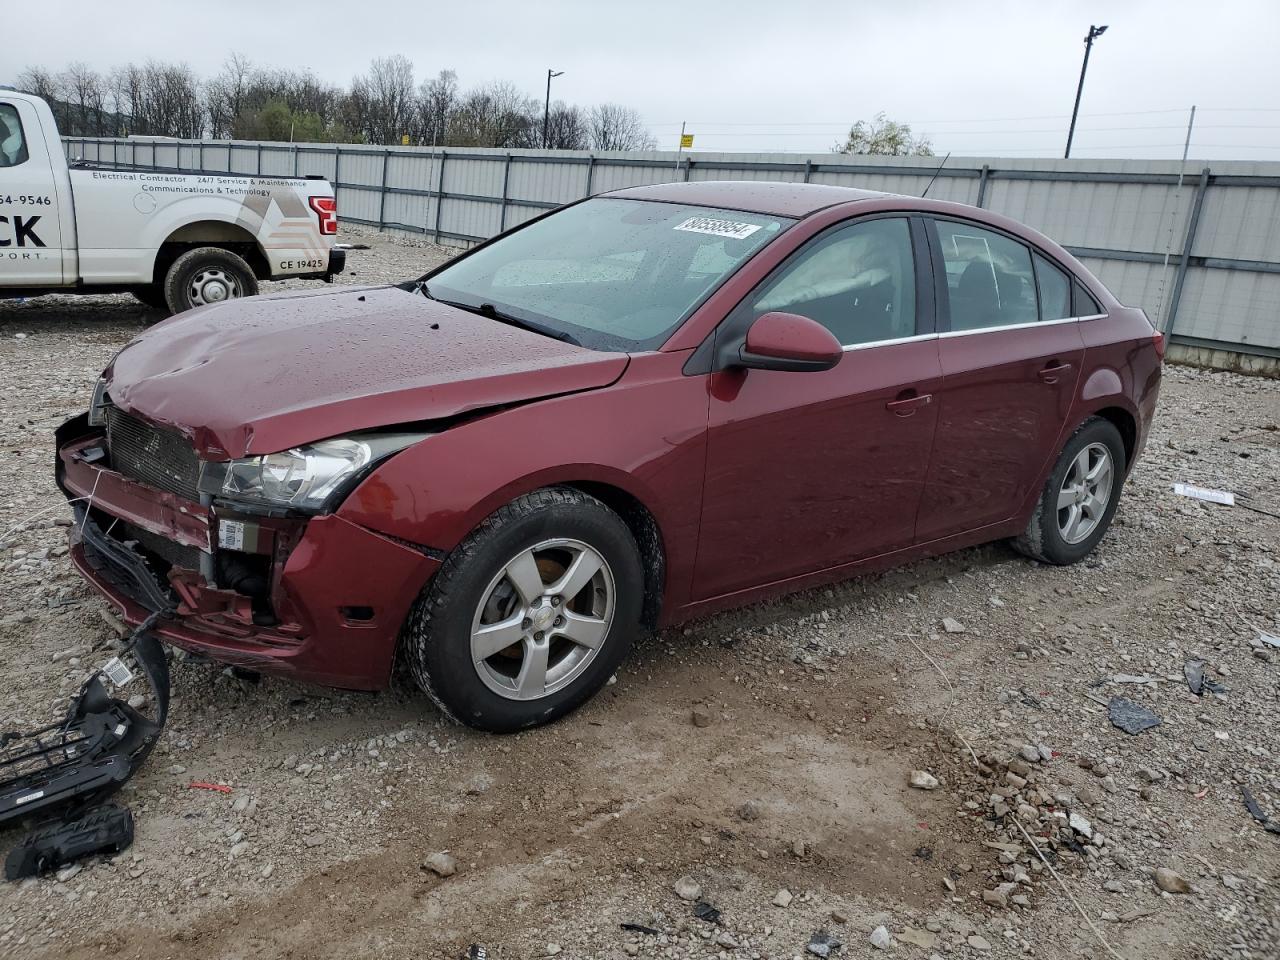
(608, 273)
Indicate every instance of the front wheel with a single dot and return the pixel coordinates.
(1080, 496)
(530, 615)
(207, 275)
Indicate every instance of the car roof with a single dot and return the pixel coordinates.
(753, 196)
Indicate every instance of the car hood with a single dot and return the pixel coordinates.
(269, 373)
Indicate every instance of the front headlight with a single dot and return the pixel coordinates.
(303, 478)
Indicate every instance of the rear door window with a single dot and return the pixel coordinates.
(990, 280)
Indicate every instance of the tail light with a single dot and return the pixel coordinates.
(1158, 339)
(326, 209)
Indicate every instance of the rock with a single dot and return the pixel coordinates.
(687, 888)
(701, 717)
(1232, 883)
(441, 864)
(1170, 881)
(979, 943)
(1114, 886)
(782, 898)
(880, 938)
(923, 780)
(749, 811)
(66, 873)
(799, 849)
(918, 938)
(267, 871)
(1150, 774)
(823, 944)
(1080, 825)
(839, 916)
(553, 949)
(1029, 753)
(726, 939)
(240, 848)
(177, 769)
(952, 626)
(999, 896)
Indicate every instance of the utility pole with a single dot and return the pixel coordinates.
(546, 111)
(1094, 34)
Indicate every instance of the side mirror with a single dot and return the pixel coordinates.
(788, 341)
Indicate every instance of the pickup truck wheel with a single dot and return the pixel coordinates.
(152, 295)
(207, 275)
(530, 615)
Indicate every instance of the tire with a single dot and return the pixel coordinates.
(473, 604)
(1066, 534)
(207, 275)
(152, 296)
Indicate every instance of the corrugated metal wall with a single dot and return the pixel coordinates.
(1198, 247)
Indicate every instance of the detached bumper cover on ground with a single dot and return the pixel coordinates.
(337, 592)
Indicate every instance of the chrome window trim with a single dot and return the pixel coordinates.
(889, 343)
(1020, 326)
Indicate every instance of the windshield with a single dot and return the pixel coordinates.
(608, 273)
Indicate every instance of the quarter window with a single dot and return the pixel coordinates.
(857, 281)
(989, 277)
(1055, 291)
(13, 147)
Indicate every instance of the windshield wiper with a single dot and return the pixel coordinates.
(493, 313)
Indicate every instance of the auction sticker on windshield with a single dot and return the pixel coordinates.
(718, 228)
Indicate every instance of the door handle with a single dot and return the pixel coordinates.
(905, 406)
(1051, 373)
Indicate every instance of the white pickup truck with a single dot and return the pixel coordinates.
(174, 240)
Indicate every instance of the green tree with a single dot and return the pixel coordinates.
(883, 137)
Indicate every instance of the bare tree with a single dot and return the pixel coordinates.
(496, 115)
(437, 100)
(388, 89)
(45, 84)
(884, 137)
(567, 127)
(225, 95)
(85, 93)
(615, 127)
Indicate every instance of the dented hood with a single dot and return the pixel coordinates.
(269, 373)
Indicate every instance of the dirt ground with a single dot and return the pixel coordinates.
(787, 804)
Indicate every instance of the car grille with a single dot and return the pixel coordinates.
(152, 455)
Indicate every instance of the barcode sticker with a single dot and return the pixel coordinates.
(718, 228)
(231, 535)
(117, 672)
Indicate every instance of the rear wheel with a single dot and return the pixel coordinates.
(530, 615)
(207, 275)
(1079, 498)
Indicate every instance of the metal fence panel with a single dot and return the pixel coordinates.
(1219, 230)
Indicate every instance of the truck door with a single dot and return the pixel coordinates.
(31, 253)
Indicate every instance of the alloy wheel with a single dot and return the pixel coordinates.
(543, 619)
(1085, 493)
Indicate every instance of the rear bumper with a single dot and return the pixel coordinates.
(337, 263)
(339, 592)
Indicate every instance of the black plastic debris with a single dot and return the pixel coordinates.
(1257, 812)
(823, 944)
(107, 829)
(640, 928)
(705, 911)
(1131, 717)
(1197, 682)
(924, 853)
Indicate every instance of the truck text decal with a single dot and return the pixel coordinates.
(23, 230)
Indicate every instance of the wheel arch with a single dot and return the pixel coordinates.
(210, 233)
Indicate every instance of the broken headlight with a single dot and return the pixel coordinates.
(304, 478)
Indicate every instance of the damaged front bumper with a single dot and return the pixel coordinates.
(317, 598)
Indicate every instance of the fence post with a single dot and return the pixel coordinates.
(440, 192)
(295, 159)
(506, 180)
(591, 173)
(259, 163)
(382, 191)
(808, 168)
(337, 168)
(982, 185)
(1193, 224)
(688, 163)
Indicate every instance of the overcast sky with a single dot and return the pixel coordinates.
(988, 77)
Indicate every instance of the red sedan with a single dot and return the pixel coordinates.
(633, 410)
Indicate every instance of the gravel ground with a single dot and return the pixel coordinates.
(760, 761)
